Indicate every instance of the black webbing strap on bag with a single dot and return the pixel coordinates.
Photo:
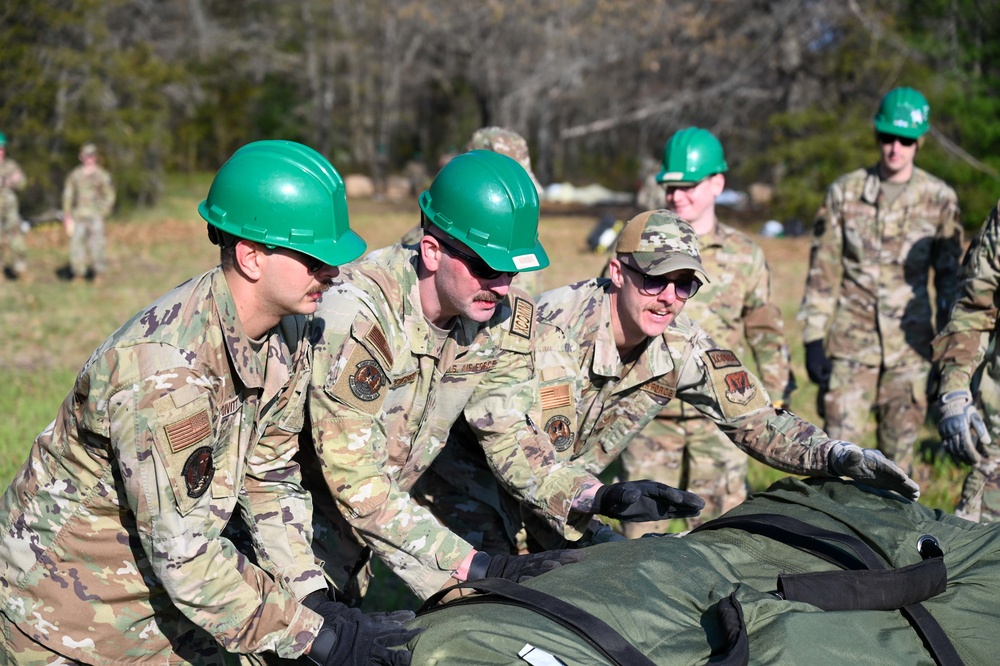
(863, 560)
(595, 631)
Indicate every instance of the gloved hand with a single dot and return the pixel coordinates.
(957, 415)
(870, 467)
(348, 637)
(520, 568)
(645, 500)
(598, 533)
(817, 364)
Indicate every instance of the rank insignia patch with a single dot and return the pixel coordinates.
(739, 388)
(199, 469)
(559, 432)
(367, 381)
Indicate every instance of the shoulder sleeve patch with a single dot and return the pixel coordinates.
(738, 392)
(522, 317)
(362, 384)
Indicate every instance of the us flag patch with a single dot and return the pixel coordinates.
(189, 431)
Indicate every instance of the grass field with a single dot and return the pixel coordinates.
(50, 327)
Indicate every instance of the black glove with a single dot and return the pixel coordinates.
(817, 364)
(643, 501)
(348, 637)
(520, 568)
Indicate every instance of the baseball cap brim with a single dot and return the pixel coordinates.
(658, 263)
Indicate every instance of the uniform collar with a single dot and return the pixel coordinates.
(245, 361)
(653, 361)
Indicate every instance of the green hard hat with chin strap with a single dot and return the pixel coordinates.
(903, 112)
(488, 201)
(690, 155)
(283, 194)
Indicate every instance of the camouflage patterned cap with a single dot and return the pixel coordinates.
(658, 242)
(506, 142)
(88, 149)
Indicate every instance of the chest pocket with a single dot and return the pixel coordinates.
(622, 421)
(194, 447)
(558, 413)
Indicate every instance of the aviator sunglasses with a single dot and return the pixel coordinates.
(652, 285)
(476, 265)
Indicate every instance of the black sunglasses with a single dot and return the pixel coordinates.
(885, 138)
(312, 264)
(476, 265)
(652, 285)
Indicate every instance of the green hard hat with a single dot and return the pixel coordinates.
(283, 194)
(903, 112)
(488, 201)
(691, 154)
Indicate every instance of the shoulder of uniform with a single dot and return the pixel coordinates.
(563, 305)
(941, 189)
(734, 236)
(851, 179)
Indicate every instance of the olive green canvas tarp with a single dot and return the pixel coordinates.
(661, 594)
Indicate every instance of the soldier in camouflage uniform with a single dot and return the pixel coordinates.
(612, 352)
(510, 143)
(968, 358)
(112, 530)
(88, 197)
(867, 312)
(415, 338)
(680, 447)
(13, 249)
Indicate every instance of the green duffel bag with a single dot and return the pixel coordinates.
(809, 572)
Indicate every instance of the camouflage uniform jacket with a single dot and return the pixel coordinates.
(383, 400)
(735, 308)
(111, 548)
(9, 171)
(867, 292)
(594, 403)
(961, 347)
(88, 193)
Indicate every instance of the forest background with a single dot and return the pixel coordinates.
(790, 86)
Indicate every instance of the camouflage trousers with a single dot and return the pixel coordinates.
(86, 246)
(692, 454)
(13, 249)
(898, 395)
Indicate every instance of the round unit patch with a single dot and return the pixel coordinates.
(367, 381)
(559, 432)
(199, 469)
